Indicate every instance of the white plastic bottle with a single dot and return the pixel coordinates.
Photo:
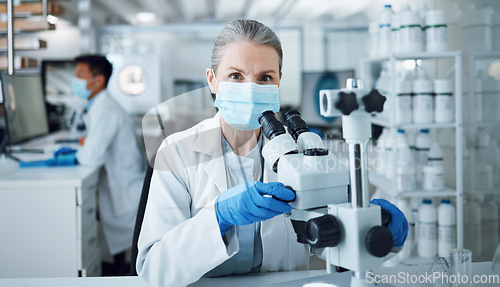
(406, 180)
(433, 172)
(436, 31)
(478, 97)
(381, 161)
(472, 227)
(435, 156)
(422, 11)
(489, 214)
(403, 205)
(390, 149)
(443, 101)
(423, 106)
(410, 31)
(411, 136)
(427, 231)
(395, 28)
(403, 101)
(385, 31)
(423, 143)
(415, 204)
(433, 177)
(477, 28)
(495, 160)
(446, 228)
(382, 85)
(484, 168)
(496, 31)
(373, 31)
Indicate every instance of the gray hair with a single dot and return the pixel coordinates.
(245, 30)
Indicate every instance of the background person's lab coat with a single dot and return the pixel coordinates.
(111, 143)
(180, 239)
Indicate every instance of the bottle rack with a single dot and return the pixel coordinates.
(389, 187)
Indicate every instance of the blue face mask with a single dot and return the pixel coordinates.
(241, 104)
(79, 88)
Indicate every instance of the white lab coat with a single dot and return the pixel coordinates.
(180, 239)
(111, 142)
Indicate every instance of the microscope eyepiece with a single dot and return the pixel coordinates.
(296, 125)
(271, 127)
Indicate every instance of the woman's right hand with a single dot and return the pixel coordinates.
(247, 203)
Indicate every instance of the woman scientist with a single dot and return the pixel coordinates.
(208, 213)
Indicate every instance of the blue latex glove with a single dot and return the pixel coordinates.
(64, 151)
(63, 160)
(398, 224)
(246, 203)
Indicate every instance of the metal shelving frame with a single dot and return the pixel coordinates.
(390, 186)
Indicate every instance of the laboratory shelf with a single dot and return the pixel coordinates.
(388, 186)
(386, 124)
(479, 55)
(420, 55)
(484, 191)
(415, 260)
(446, 192)
(486, 124)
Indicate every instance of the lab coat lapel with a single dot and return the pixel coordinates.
(209, 143)
(216, 171)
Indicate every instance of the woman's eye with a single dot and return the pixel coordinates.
(235, 76)
(265, 78)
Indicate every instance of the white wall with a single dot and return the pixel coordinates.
(62, 43)
(187, 56)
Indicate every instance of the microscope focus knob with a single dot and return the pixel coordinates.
(347, 103)
(323, 231)
(379, 241)
(373, 101)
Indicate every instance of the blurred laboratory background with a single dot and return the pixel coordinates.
(435, 150)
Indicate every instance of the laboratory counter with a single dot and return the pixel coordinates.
(272, 279)
(47, 215)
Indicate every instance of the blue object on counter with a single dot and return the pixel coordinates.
(59, 160)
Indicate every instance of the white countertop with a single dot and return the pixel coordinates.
(272, 279)
(11, 176)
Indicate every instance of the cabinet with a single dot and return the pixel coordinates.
(48, 221)
(389, 186)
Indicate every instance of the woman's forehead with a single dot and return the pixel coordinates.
(249, 56)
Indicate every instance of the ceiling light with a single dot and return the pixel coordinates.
(145, 17)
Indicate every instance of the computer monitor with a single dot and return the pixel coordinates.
(312, 83)
(56, 82)
(24, 107)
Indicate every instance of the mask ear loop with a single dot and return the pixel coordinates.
(93, 80)
(213, 74)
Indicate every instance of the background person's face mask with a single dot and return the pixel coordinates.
(241, 104)
(79, 88)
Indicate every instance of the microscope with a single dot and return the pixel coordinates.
(331, 209)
